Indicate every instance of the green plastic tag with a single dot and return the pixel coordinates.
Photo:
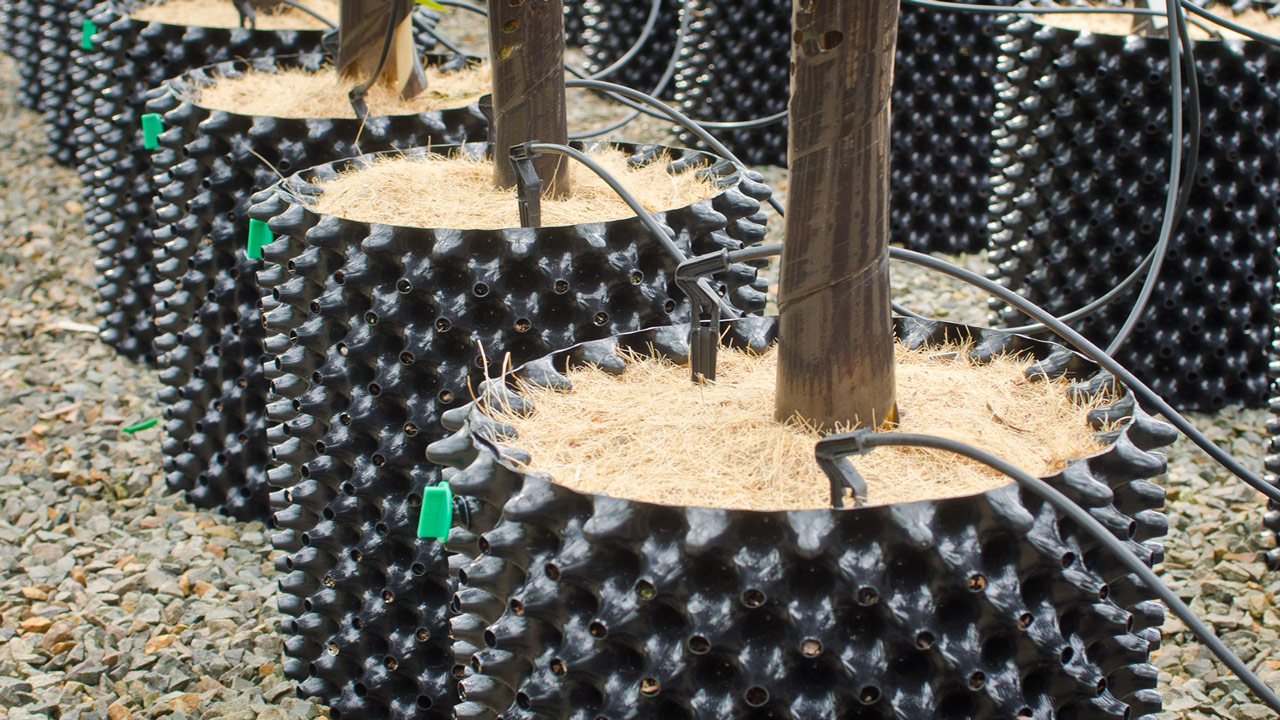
(152, 126)
(87, 31)
(140, 426)
(433, 5)
(437, 512)
(259, 235)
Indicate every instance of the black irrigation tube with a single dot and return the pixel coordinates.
(753, 253)
(727, 125)
(863, 441)
(1181, 190)
(692, 125)
(645, 33)
(1174, 206)
(1026, 10)
(1234, 27)
(358, 92)
(639, 108)
(659, 233)
(662, 83)
(309, 11)
(1093, 352)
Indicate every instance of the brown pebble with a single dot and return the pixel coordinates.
(186, 702)
(159, 643)
(36, 624)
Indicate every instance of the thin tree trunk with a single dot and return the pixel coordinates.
(835, 366)
(362, 31)
(526, 51)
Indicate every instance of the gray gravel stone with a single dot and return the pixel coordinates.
(116, 599)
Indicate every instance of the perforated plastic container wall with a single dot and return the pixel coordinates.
(64, 68)
(130, 58)
(25, 26)
(612, 27)
(573, 27)
(1082, 171)
(735, 66)
(44, 39)
(376, 330)
(991, 605)
(210, 334)
(6, 25)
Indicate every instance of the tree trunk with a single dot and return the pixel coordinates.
(526, 51)
(835, 364)
(362, 32)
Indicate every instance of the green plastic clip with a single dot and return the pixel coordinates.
(140, 426)
(87, 31)
(437, 512)
(152, 126)
(259, 235)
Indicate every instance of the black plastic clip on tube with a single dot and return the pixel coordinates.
(863, 441)
(528, 185)
(829, 452)
(659, 233)
(704, 328)
(704, 312)
(485, 103)
(247, 15)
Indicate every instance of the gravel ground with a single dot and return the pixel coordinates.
(118, 600)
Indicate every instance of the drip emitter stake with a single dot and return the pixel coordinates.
(87, 30)
(152, 126)
(437, 512)
(259, 235)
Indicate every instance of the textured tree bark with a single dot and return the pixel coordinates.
(526, 51)
(835, 364)
(362, 31)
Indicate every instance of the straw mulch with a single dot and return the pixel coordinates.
(655, 436)
(455, 192)
(299, 93)
(223, 14)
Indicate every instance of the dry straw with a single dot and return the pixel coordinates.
(223, 14)
(1118, 24)
(655, 436)
(434, 191)
(300, 93)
